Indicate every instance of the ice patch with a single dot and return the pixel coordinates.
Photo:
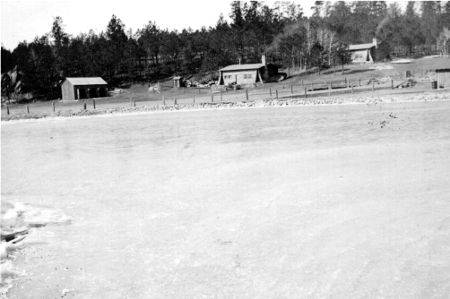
(16, 221)
(34, 216)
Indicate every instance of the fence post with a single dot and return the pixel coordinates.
(276, 93)
(306, 92)
(193, 102)
(329, 89)
(212, 97)
(175, 102)
(84, 105)
(292, 90)
(7, 110)
(93, 103)
(164, 100)
(246, 94)
(392, 83)
(352, 87)
(270, 91)
(221, 96)
(359, 82)
(28, 109)
(53, 106)
(373, 85)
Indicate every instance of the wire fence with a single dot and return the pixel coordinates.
(204, 97)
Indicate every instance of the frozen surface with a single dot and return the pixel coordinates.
(341, 201)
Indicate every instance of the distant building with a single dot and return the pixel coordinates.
(83, 87)
(443, 78)
(177, 81)
(363, 53)
(247, 74)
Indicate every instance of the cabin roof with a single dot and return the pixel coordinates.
(86, 81)
(361, 47)
(242, 67)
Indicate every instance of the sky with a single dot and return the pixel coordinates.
(25, 19)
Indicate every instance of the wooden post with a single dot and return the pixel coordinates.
(246, 94)
(306, 92)
(329, 89)
(221, 96)
(312, 86)
(175, 102)
(84, 105)
(28, 109)
(270, 91)
(359, 82)
(93, 103)
(373, 85)
(164, 100)
(193, 102)
(53, 106)
(392, 83)
(276, 93)
(292, 90)
(212, 97)
(7, 110)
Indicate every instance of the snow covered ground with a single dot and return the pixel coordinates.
(340, 201)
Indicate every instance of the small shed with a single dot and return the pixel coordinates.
(363, 53)
(443, 77)
(247, 74)
(177, 81)
(76, 88)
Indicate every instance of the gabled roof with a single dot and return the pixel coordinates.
(86, 81)
(242, 67)
(361, 47)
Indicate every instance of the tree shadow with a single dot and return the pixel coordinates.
(328, 72)
(357, 71)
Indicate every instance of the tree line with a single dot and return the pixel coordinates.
(282, 32)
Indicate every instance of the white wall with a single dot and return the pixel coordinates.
(241, 77)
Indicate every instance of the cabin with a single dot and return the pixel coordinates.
(247, 74)
(363, 53)
(76, 88)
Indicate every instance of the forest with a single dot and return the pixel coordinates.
(281, 31)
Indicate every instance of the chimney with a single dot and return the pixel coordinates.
(374, 42)
(239, 61)
(263, 59)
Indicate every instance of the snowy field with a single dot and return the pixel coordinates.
(348, 201)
